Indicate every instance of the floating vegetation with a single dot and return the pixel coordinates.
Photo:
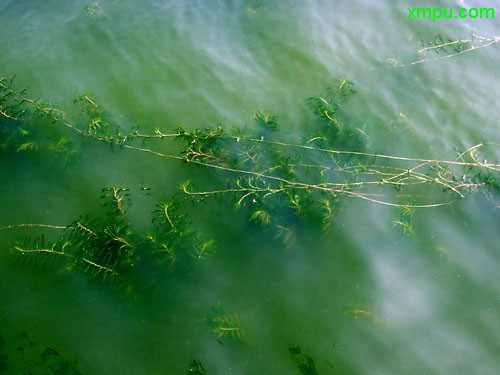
(279, 182)
(440, 45)
(279, 185)
(446, 48)
(304, 362)
(222, 324)
(269, 179)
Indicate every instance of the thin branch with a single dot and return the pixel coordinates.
(33, 226)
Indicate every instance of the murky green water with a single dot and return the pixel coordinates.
(358, 298)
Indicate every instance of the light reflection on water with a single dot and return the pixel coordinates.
(362, 298)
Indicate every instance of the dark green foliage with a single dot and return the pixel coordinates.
(279, 186)
(202, 145)
(97, 119)
(266, 120)
(304, 362)
(40, 253)
(203, 249)
(196, 368)
(270, 190)
(174, 236)
(326, 106)
(222, 324)
(116, 200)
(104, 249)
(334, 128)
(170, 228)
(489, 179)
(63, 149)
(11, 106)
(28, 125)
(404, 219)
(12, 112)
(107, 250)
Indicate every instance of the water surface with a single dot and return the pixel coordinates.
(431, 300)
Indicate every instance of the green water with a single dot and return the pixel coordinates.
(426, 304)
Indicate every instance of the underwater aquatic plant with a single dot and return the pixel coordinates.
(18, 132)
(304, 362)
(222, 324)
(277, 183)
(286, 165)
(107, 250)
(405, 218)
(325, 106)
(196, 368)
(266, 120)
(272, 181)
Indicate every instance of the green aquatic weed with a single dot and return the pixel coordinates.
(272, 181)
(404, 219)
(106, 249)
(266, 120)
(304, 362)
(203, 249)
(222, 324)
(196, 368)
(93, 10)
(444, 45)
